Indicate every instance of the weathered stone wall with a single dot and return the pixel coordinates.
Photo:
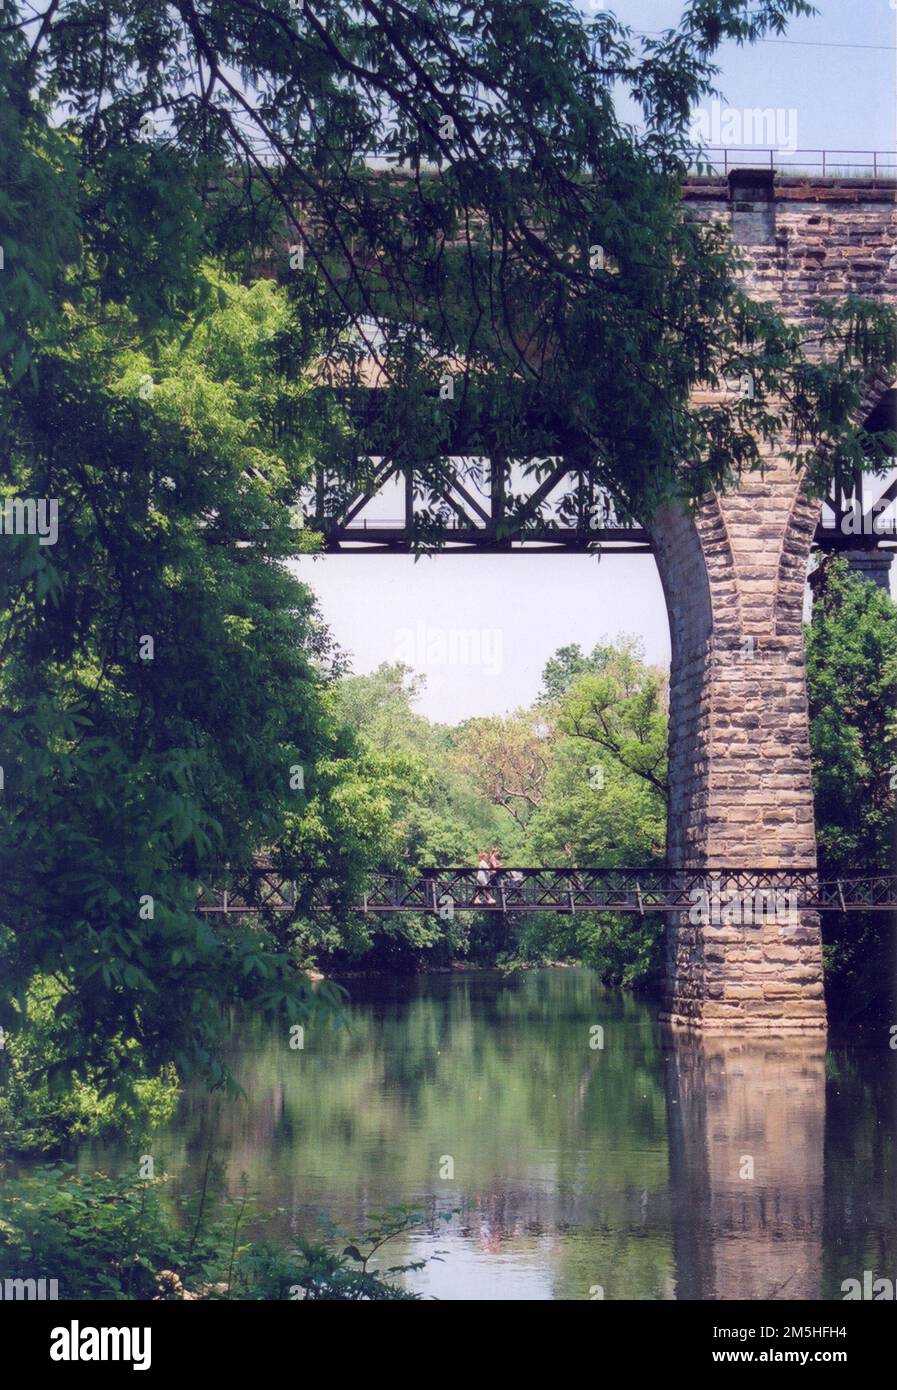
(734, 576)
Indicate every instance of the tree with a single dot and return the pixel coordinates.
(561, 670)
(530, 247)
(508, 759)
(619, 705)
(433, 815)
(604, 803)
(165, 685)
(598, 815)
(852, 682)
(442, 815)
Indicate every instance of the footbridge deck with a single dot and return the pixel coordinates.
(735, 894)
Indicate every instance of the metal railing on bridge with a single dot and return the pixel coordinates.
(874, 165)
(767, 893)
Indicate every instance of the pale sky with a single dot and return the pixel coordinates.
(481, 627)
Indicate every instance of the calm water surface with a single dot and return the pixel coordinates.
(652, 1167)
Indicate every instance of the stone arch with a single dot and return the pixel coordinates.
(733, 573)
(803, 520)
(687, 592)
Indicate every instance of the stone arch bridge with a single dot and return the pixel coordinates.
(734, 577)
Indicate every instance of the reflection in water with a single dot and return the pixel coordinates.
(577, 1172)
(747, 1125)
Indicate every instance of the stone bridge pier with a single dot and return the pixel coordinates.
(734, 575)
(740, 793)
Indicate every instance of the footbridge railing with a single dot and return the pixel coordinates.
(729, 895)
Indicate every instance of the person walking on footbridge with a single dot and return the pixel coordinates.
(484, 878)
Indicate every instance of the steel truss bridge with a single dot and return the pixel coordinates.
(479, 501)
(494, 505)
(767, 893)
(487, 530)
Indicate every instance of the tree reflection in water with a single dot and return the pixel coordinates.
(618, 1172)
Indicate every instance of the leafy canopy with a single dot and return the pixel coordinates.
(852, 684)
(162, 679)
(467, 200)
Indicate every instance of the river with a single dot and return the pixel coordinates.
(584, 1151)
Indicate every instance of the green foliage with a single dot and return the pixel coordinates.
(313, 1272)
(604, 803)
(98, 1239)
(131, 122)
(134, 772)
(104, 1239)
(620, 705)
(623, 949)
(606, 794)
(428, 813)
(562, 669)
(574, 780)
(162, 396)
(852, 682)
(167, 406)
(508, 758)
(38, 1114)
(596, 813)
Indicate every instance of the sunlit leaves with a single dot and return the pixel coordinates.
(160, 677)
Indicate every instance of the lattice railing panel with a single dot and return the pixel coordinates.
(562, 890)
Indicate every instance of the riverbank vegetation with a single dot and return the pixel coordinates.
(852, 683)
(115, 1239)
(577, 778)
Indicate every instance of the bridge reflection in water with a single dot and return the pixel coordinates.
(746, 1134)
(621, 1167)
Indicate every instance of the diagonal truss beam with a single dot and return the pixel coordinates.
(853, 513)
(854, 521)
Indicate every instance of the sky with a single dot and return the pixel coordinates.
(481, 627)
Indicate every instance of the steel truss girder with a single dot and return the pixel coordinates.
(475, 530)
(521, 525)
